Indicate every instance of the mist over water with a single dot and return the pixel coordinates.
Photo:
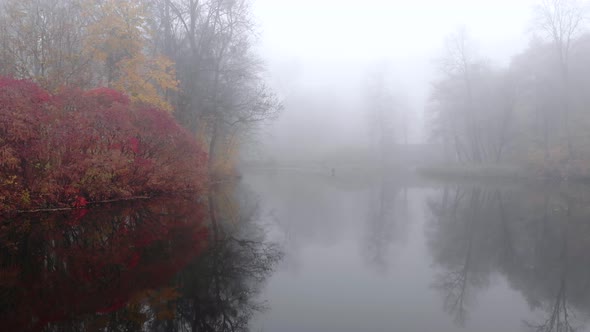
(321, 55)
(294, 165)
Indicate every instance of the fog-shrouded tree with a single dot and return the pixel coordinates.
(386, 113)
(222, 91)
(84, 44)
(552, 107)
(562, 21)
(117, 39)
(471, 104)
(193, 58)
(43, 41)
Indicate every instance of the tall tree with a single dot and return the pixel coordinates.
(223, 94)
(382, 112)
(472, 104)
(117, 39)
(562, 21)
(42, 40)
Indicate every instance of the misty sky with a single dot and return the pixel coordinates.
(326, 47)
(369, 29)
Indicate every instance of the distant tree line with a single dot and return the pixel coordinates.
(532, 112)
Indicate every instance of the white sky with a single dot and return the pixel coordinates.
(367, 29)
(330, 44)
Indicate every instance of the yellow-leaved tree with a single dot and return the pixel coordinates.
(118, 40)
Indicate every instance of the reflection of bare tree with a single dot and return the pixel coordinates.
(219, 290)
(388, 214)
(470, 234)
(538, 240)
(559, 313)
(454, 283)
(143, 266)
(507, 242)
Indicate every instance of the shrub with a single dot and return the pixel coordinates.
(94, 144)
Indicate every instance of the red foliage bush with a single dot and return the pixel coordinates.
(94, 144)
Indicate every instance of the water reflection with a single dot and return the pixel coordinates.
(181, 265)
(220, 289)
(154, 265)
(386, 223)
(537, 239)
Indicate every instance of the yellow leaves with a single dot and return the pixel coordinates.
(117, 30)
(118, 38)
(25, 198)
(227, 151)
(162, 73)
(8, 158)
(10, 180)
(144, 80)
(86, 43)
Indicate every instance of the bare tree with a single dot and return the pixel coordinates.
(562, 21)
(42, 40)
(223, 94)
(386, 113)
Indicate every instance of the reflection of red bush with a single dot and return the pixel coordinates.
(95, 265)
(96, 145)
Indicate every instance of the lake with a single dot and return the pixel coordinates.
(287, 251)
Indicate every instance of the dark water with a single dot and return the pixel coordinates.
(293, 252)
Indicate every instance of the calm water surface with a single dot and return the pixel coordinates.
(294, 252)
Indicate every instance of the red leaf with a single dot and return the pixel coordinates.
(80, 202)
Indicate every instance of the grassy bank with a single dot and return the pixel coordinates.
(572, 173)
(480, 172)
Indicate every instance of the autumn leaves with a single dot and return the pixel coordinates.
(96, 145)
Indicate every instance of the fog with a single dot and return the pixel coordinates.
(320, 54)
(294, 165)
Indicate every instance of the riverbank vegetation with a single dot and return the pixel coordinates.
(79, 146)
(532, 113)
(112, 99)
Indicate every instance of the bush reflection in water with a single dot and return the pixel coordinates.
(150, 265)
